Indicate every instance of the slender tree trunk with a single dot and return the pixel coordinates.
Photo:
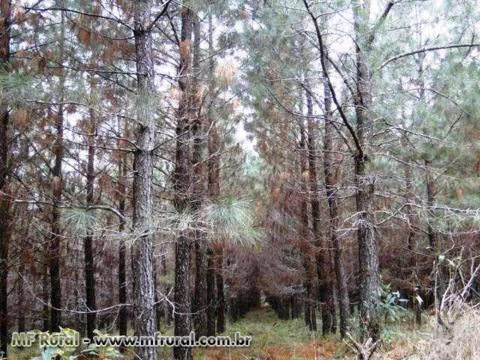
(21, 296)
(199, 192)
(365, 183)
(408, 210)
(220, 293)
(439, 280)
(216, 300)
(211, 298)
(57, 189)
(4, 170)
(182, 178)
(323, 257)
(142, 247)
(411, 241)
(215, 286)
(431, 191)
(332, 199)
(308, 255)
(45, 296)
(88, 241)
(122, 250)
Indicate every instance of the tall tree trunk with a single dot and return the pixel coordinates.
(21, 296)
(122, 249)
(182, 178)
(438, 283)
(221, 305)
(332, 199)
(4, 170)
(325, 291)
(211, 298)
(142, 247)
(88, 240)
(57, 189)
(411, 241)
(216, 256)
(365, 183)
(45, 296)
(308, 255)
(198, 162)
(215, 288)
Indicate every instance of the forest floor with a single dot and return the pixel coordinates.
(274, 339)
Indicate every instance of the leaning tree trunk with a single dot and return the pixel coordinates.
(142, 247)
(88, 240)
(182, 179)
(323, 258)
(4, 170)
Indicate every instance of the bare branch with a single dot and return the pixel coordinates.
(329, 82)
(424, 50)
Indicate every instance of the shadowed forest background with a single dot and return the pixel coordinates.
(302, 172)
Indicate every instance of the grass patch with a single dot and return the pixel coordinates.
(274, 339)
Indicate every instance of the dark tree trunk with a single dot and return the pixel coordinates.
(215, 257)
(4, 170)
(122, 267)
(308, 255)
(88, 241)
(211, 296)
(408, 210)
(21, 296)
(142, 247)
(332, 199)
(215, 291)
(182, 178)
(439, 282)
(220, 293)
(431, 192)
(365, 183)
(199, 191)
(367, 252)
(45, 297)
(57, 189)
(325, 290)
(296, 306)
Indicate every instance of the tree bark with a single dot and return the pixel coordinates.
(4, 172)
(325, 293)
(88, 241)
(57, 189)
(122, 276)
(182, 179)
(211, 298)
(220, 293)
(308, 254)
(332, 199)
(142, 247)
(199, 191)
(365, 183)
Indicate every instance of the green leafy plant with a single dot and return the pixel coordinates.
(102, 352)
(389, 307)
